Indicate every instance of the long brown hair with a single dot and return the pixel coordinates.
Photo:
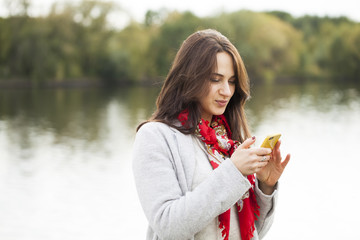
(188, 81)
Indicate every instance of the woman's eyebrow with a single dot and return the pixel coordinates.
(220, 75)
(217, 74)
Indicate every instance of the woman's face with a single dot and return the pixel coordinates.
(222, 88)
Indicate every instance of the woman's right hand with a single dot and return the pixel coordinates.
(250, 160)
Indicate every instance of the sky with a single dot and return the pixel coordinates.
(137, 8)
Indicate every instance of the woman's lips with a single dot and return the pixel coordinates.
(222, 103)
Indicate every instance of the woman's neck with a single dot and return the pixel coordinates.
(207, 118)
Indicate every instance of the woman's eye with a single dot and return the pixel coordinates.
(214, 80)
(232, 80)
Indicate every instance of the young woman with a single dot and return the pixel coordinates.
(195, 173)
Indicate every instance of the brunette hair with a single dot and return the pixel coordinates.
(188, 81)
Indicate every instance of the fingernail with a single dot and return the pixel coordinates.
(253, 137)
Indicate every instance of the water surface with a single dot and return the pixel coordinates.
(65, 161)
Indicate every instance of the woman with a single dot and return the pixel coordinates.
(194, 178)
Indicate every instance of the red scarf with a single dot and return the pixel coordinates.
(217, 139)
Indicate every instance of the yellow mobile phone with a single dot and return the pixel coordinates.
(270, 141)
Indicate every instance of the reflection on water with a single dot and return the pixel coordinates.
(65, 160)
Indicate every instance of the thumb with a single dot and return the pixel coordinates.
(247, 143)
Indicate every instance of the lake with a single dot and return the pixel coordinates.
(65, 160)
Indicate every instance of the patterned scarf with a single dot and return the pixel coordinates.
(218, 143)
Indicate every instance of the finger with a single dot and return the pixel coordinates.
(277, 156)
(247, 143)
(286, 161)
(263, 151)
(265, 158)
(276, 152)
(277, 145)
(260, 165)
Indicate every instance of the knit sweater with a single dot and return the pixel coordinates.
(164, 167)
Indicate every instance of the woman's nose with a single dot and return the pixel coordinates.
(225, 89)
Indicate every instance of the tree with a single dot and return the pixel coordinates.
(270, 47)
(163, 47)
(344, 53)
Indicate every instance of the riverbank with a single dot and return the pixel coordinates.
(71, 83)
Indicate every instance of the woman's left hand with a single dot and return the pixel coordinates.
(270, 174)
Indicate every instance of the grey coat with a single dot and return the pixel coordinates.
(163, 167)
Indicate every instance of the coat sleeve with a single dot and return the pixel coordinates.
(173, 213)
(267, 205)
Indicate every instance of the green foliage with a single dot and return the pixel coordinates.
(70, 43)
(26, 49)
(133, 41)
(74, 42)
(164, 45)
(269, 46)
(284, 16)
(344, 54)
